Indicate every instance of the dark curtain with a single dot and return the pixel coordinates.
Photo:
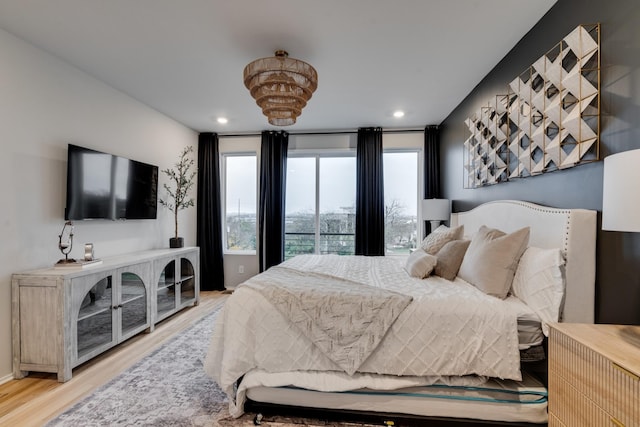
(432, 162)
(209, 231)
(273, 173)
(431, 165)
(369, 193)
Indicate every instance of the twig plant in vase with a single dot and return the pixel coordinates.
(181, 178)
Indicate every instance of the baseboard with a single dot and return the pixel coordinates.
(6, 378)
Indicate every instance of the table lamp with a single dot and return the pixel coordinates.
(620, 196)
(436, 211)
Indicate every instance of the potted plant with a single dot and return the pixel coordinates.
(181, 178)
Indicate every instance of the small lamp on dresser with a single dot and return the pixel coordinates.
(436, 211)
(620, 196)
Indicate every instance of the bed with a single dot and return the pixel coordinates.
(362, 334)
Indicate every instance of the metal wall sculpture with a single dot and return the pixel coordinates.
(549, 118)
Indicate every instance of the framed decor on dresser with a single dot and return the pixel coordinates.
(594, 375)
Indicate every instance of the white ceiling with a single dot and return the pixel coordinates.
(185, 57)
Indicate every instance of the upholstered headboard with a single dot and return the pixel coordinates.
(571, 230)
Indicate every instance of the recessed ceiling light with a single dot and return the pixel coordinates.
(398, 114)
(222, 120)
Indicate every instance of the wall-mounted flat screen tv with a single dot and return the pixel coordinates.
(105, 186)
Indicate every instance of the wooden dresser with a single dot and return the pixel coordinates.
(594, 375)
(63, 317)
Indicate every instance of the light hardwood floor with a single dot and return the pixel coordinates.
(34, 400)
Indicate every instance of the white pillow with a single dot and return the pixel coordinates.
(492, 259)
(440, 237)
(420, 264)
(540, 283)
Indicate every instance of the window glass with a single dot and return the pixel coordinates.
(320, 205)
(400, 201)
(337, 205)
(240, 202)
(300, 207)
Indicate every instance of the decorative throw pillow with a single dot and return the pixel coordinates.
(539, 282)
(439, 237)
(420, 264)
(492, 258)
(450, 257)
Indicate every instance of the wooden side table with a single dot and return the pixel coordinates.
(594, 375)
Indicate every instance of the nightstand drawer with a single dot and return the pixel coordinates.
(578, 375)
(573, 409)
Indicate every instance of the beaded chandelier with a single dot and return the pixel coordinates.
(281, 86)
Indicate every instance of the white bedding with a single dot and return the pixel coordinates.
(346, 320)
(449, 329)
(529, 324)
(573, 231)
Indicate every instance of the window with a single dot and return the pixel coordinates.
(337, 205)
(320, 205)
(240, 201)
(400, 201)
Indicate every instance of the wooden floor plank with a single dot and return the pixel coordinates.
(34, 400)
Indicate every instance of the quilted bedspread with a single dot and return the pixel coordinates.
(448, 328)
(346, 320)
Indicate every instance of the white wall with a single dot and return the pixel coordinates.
(44, 105)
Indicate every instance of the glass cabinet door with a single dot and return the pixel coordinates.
(133, 301)
(95, 318)
(187, 281)
(166, 292)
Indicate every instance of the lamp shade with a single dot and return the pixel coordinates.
(620, 194)
(436, 209)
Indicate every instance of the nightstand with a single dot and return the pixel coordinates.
(594, 375)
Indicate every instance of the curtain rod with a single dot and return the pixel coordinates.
(337, 132)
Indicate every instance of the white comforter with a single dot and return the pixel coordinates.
(346, 320)
(449, 329)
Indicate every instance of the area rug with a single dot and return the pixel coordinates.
(168, 387)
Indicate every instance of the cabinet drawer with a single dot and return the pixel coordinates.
(572, 408)
(610, 387)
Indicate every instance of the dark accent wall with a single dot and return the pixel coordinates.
(618, 254)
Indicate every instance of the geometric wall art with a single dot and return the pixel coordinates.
(548, 118)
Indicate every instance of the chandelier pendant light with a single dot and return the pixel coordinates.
(281, 86)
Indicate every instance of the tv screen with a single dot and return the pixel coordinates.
(104, 186)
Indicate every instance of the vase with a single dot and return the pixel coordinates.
(176, 242)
